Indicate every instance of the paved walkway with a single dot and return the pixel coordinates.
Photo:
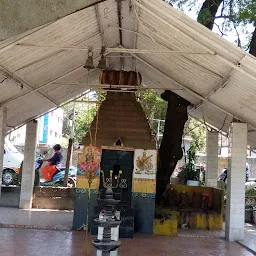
(25, 242)
(250, 238)
(36, 218)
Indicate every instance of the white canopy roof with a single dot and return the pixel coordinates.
(43, 68)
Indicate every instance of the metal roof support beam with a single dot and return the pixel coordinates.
(117, 50)
(195, 37)
(208, 125)
(25, 84)
(102, 34)
(59, 106)
(211, 72)
(191, 91)
(135, 29)
(58, 51)
(216, 88)
(221, 85)
(119, 15)
(46, 84)
(135, 35)
(40, 87)
(107, 86)
(10, 77)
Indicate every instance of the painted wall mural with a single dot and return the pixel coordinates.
(145, 164)
(144, 173)
(89, 167)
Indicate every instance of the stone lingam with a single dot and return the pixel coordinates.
(106, 246)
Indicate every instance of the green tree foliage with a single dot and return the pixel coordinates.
(232, 19)
(155, 108)
(83, 121)
(84, 115)
(188, 171)
(246, 11)
(197, 131)
(153, 105)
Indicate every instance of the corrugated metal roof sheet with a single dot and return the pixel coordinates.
(213, 74)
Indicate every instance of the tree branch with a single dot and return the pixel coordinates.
(220, 30)
(238, 36)
(223, 17)
(253, 42)
(208, 12)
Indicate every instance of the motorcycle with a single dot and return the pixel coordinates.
(58, 177)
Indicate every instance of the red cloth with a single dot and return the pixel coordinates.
(48, 171)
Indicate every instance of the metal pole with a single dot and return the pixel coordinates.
(73, 120)
(158, 132)
(70, 147)
(73, 130)
(158, 129)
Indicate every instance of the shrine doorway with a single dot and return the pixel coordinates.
(119, 160)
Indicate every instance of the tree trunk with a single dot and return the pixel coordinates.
(70, 145)
(253, 42)
(208, 12)
(170, 151)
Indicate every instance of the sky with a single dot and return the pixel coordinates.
(230, 36)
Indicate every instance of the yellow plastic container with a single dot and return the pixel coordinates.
(165, 227)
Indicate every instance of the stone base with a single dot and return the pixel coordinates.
(25, 204)
(99, 253)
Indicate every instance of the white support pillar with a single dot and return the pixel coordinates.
(28, 170)
(235, 208)
(3, 113)
(212, 148)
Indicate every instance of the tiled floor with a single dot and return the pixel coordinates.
(24, 242)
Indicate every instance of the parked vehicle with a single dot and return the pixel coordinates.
(11, 164)
(58, 177)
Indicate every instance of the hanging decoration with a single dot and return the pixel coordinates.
(89, 62)
(103, 61)
(114, 77)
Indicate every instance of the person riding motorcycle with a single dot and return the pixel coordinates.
(38, 166)
(54, 166)
(40, 158)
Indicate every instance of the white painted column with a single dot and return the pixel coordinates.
(212, 151)
(28, 171)
(235, 208)
(3, 113)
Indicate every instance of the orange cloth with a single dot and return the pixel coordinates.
(48, 171)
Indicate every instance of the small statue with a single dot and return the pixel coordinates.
(206, 201)
(184, 200)
(171, 197)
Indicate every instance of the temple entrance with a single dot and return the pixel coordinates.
(119, 160)
(124, 138)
